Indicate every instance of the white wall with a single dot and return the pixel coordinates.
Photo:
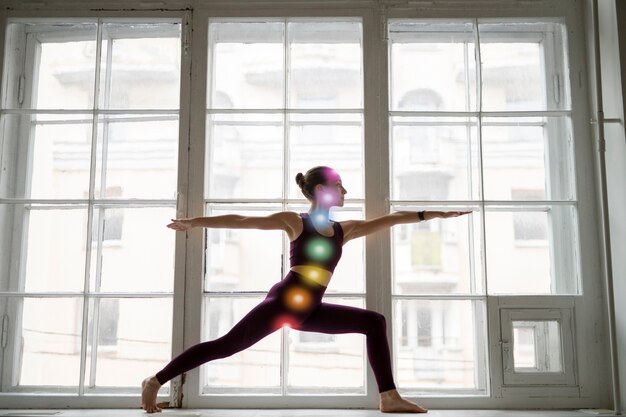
(612, 24)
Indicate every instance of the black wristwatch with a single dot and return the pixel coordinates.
(420, 215)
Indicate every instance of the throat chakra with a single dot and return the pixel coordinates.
(319, 249)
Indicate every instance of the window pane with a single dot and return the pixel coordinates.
(434, 158)
(54, 250)
(432, 66)
(253, 370)
(137, 157)
(136, 250)
(244, 156)
(45, 156)
(528, 158)
(532, 250)
(246, 65)
(325, 64)
(140, 66)
(132, 340)
(436, 344)
(242, 259)
(523, 66)
(512, 76)
(48, 341)
(323, 363)
(60, 64)
(537, 346)
(438, 256)
(328, 140)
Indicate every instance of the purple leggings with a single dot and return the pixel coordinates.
(307, 313)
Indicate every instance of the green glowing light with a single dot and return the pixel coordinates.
(319, 249)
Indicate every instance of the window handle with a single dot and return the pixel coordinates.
(504, 343)
(5, 330)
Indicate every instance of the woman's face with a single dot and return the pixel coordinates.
(331, 194)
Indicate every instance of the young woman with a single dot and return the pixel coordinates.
(296, 300)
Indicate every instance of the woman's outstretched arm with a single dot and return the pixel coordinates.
(277, 221)
(357, 228)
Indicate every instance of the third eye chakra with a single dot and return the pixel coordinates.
(319, 249)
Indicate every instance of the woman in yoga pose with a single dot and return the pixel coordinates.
(296, 300)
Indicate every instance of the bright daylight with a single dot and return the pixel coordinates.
(349, 207)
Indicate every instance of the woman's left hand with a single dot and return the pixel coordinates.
(448, 214)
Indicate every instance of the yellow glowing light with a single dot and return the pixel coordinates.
(314, 274)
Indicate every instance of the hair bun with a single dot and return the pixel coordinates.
(300, 179)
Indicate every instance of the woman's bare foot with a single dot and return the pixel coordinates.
(392, 402)
(149, 390)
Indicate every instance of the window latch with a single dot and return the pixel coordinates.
(5, 330)
(21, 84)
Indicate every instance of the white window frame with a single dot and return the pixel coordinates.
(591, 361)
(101, 397)
(192, 389)
(542, 396)
(563, 316)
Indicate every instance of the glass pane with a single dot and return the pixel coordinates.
(532, 250)
(242, 259)
(325, 70)
(436, 344)
(349, 275)
(245, 156)
(327, 363)
(523, 66)
(45, 156)
(440, 256)
(136, 249)
(246, 65)
(60, 62)
(54, 248)
(513, 77)
(434, 158)
(132, 340)
(137, 157)
(328, 140)
(140, 66)
(432, 66)
(537, 346)
(48, 341)
(255, 369)
(528, 158)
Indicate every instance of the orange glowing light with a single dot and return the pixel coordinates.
(298, 298)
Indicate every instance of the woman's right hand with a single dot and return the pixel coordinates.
(181, 225)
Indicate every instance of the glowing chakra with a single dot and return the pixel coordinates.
(298, 299)
(285, 321)
(321, 219)
(319, 249)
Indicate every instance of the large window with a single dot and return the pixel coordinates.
(479, 118)
(284, 95)
(89, 129)
(110, 126)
